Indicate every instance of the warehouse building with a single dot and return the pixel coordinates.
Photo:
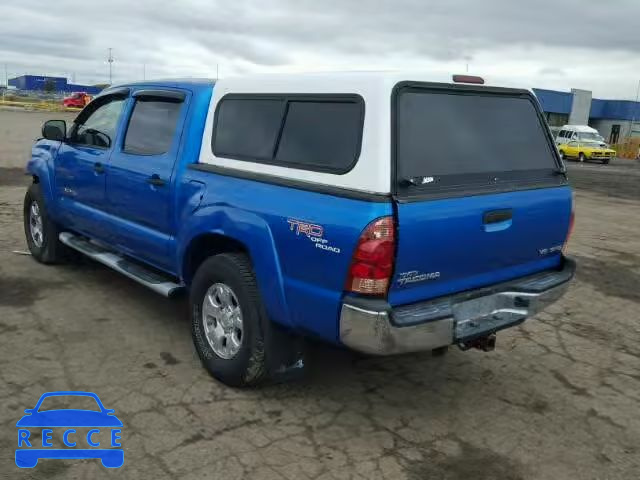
(614, 119)
(52, 84)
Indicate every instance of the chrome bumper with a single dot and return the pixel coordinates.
(374, 327)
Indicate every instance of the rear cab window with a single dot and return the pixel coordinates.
(320, 133)
(152, 126)
(452, 141)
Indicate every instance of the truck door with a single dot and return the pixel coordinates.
(81, 164)
(140, 181)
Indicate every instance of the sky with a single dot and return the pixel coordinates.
(556, 44)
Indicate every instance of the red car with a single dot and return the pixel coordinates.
(77, 100)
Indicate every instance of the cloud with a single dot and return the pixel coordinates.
(532, 42)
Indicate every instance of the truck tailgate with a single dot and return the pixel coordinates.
(455, 244)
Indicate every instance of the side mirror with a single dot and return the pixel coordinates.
(55, 130)
(29, 410)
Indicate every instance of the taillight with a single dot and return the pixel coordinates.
(372, 263)
(468, 79)
(570, 230)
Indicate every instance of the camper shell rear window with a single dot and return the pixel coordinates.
(464, 139)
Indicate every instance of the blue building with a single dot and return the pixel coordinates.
(614, 119)
(60, 84)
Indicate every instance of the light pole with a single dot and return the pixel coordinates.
(110, 60)
(633, 112)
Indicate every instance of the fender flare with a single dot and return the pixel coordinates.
(40, 166)
(254, 233)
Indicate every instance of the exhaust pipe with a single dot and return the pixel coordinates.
(486, 344)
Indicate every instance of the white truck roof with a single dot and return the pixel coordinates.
(372, 172)
(580, 128)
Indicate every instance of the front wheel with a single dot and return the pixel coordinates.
(605, 161)
(581, 157)
(562, 156)
(228, 320)
(40, 231)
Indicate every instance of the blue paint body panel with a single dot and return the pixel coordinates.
(449, 239)
(301, 284)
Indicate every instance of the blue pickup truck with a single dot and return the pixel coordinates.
(379, 211)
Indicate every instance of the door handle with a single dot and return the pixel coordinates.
(156, 180)
(497, 216)
(98, 167)
(497, 220)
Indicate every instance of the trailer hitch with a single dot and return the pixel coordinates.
(486, 343)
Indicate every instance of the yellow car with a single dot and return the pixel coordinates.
(582, 151)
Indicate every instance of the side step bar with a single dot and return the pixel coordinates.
(135, 271)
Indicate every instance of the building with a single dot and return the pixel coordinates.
(614, 119)
(55, 84)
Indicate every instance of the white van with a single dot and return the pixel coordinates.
(579, 133)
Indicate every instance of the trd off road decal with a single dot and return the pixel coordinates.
(313, 232)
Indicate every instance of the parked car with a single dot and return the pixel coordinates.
(378, 211)
(579, 133)
(77, 100)
(585, 150)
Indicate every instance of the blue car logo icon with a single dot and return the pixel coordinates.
(98, 427)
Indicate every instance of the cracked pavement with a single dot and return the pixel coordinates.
(558, 399)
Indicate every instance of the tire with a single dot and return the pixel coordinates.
(247, 366)
(42, 235)
(562, 156)
(581, 157)
(605, 161)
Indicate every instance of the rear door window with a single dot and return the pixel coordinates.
(453, 139)
(152, 127)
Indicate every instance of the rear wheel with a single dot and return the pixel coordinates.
(562, 156)
(228, 320)
(581, 157)
(40, 231)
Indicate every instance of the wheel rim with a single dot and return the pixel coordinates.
(222, 320)
(35, 225)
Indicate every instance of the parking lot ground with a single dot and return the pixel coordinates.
(558, 399)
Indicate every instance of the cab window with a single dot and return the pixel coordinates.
(152, 126)
(99, 128)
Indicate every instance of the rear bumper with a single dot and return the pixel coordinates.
(373, 326)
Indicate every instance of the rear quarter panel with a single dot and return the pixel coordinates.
(301, 284)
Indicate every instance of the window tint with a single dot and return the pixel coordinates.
(99, 130)
(152, 127)
(248, 128)
(309, 132)
(321, 135)
(447, 136)
(563, 133)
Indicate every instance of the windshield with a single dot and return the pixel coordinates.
(459, 138)
(63, 402)
(588, 136)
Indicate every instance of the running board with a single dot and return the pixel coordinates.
(149, 278)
